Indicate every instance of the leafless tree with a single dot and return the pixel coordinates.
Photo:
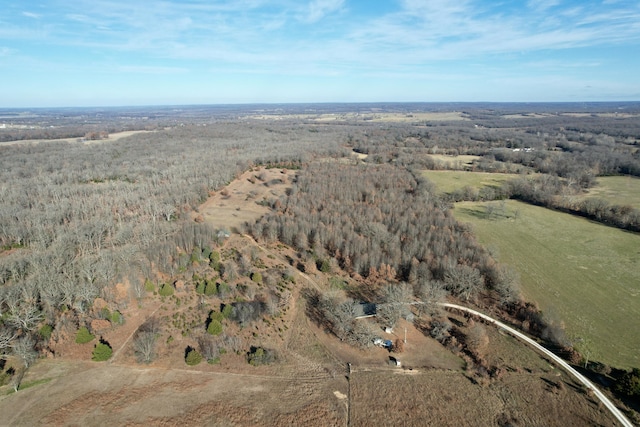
(24, 349)
(396, 303)
(463, 281)
(17, 377)
(26, 316)
(6, 338)
(208, 346)
(144, 346)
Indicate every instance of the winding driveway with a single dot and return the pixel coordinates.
(577, 375)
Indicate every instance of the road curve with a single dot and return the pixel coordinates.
(604, 399)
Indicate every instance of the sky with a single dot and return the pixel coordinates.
(56, 53)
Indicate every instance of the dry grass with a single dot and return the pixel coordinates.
(370, 117)
(527, 391)
(239, 202)
(460, 162)
(112, 137)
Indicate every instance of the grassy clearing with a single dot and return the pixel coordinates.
(617, 190)
(459, 162)
(447, 398)
(449, 181)
(584, 273)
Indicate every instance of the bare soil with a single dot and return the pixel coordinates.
(241, 200)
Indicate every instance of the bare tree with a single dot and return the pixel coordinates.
(463, 281)
(144, 346)
(209, 347)
(6, 338)
(26, 316)
(24, 349)
(431, 292)
(397, 299)
(477, 340)
(17, 377)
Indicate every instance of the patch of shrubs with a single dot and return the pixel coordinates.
(102, 352)
(629, 384)
(83, 335)
(166, 290)
(260, 356)
(45, 331)
(247, 311)
(192, 356)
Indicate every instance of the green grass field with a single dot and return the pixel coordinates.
(448, 181)
(617, 190)
(584, 273)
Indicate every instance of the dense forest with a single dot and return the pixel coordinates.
(379, 220)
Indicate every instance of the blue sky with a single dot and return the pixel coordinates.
(135, 52)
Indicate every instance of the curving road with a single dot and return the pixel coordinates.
(577, 375)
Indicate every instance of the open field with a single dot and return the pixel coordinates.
(445, 397)
(112, 137)
(617, 190)
(449, 181)
(460, 162)
(580, 272)
(92, 394)
(545, 115)
(369, 117)
(239, 202)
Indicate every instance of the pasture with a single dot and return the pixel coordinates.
(617, 190)
(580, 272)
(451, 180)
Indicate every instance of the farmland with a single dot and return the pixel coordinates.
(451, 180)
(579, 272)
(617, 190)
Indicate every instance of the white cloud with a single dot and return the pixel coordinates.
(146, 69)
(5, 51)
(318, 9)
(542, 5)
(31, 15)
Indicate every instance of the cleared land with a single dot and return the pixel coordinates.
(241, 201)
(529, 391)
(617, 190)
(449, 181)
(580, 272)
(91, 394)
(112, 137)
(369, 117)
(460, 162)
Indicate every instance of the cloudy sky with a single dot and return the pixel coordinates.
(144, 52)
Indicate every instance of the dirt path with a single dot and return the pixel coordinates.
(581, 378)
(124, 344)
